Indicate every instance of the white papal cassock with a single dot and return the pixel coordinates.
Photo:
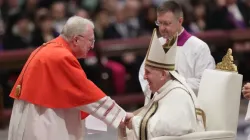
(192, 58)
(33, 122)
(174, 109)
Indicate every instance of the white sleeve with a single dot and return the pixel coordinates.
(203, 60)
(175, 115)
(106, 110)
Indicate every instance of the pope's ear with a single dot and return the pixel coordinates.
(180, 20)
(163, 74)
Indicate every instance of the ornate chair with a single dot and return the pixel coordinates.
(219, 97)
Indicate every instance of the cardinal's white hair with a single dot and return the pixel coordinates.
(76, 25)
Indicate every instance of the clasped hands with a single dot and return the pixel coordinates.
(127, 121)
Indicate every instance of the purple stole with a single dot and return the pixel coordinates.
(183, 37)
(237, 23)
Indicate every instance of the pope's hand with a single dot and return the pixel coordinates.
(246, 91)
(127, 119)
(129, 124)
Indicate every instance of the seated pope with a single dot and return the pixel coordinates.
(173, 110)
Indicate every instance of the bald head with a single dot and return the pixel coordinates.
(76, 26)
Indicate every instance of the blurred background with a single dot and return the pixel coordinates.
(122, 30)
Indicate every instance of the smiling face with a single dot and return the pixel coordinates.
(169, 18)
(168, 24)
(156, 78)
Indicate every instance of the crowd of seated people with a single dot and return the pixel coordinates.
(26, 24)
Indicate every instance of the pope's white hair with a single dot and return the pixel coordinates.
(76, 25)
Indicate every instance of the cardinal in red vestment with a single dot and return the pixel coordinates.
(52, 93)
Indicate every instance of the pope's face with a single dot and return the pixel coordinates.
(155, 77)
(168, 24)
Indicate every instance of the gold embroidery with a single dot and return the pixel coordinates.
(202, 114)
(227, 63)
(169, 43)
(19, 86)
(143, 127)
(18, 91)
(159, 66)
(198, 111)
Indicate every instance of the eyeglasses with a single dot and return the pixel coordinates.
(90, 40)
(157, 23)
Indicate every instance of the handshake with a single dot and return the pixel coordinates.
(127, 121)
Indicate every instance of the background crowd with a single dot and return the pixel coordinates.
(26, 24)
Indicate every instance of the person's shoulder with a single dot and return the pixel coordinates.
(178, 92)
(195, 40)
(196, 44)
(55, 52)
(178, 86)
(175, 86)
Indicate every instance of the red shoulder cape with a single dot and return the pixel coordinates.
(53, 78)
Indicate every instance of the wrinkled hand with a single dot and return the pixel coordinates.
(246, 91)
(129, 124)
(128, 117)
(128, 120)
(122, 127)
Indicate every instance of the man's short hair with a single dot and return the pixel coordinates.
(170, 6)
(76, 26)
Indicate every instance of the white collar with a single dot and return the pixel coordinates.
(164, 86)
